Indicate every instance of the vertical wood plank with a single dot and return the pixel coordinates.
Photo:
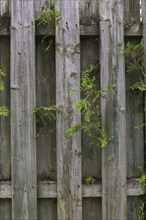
(131, 11)
(144, 37)
(133, 207)
(47, 209)
(91, 157)
(5, 209)
(69, 192)
(92, 209)
(23, 146)
(134, 118)
(114, 193)
(89, 12)
(45, 93)
(5, 148)
(4, 7)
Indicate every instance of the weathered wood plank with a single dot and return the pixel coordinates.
(133, 208)
(144, 37)
(69, 185)
(5, 148)
(48, 189)
(45, 93)
(4, 7)
(92, 209)
(5, 209)
(85, 29)
(47, 209)
(89, 12)
(114, 184)
(4, 26)
(131, 12)
(23, 146)
(134, 118)
(91, 157)
(5, 190)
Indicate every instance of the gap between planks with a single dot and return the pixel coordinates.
(48, 189)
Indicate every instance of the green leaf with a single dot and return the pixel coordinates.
(4, 111)
(89, 180)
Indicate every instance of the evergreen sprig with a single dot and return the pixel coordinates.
(3, 109)
(89, 108)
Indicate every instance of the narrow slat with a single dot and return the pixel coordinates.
(5, 148)
(47, 209)
(67, 79)
(5, 209)
(114, 192)
(134, 118)
(92, 209)
(88, 12)
(144, 37)
(131, 11)
(4, 7)
(45, 93)
(23, 146)
(133, 207)
(91, 157)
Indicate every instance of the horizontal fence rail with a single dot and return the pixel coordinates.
(48, 189)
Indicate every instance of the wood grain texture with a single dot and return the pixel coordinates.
(47, 209)
(85, 29)
(113, 109)
(144, 37)
(134, 204)
(45, 93)
(5, 209)
(4, 7)
(91, 157)
(48, 189)
(69, 185)
(92, 209)
(89, 12)
(134, 118)
(5, 148)
(131, 12)
(23, 143)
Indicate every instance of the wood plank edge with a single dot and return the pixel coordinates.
(48, 189)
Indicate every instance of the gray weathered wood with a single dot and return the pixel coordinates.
(114, 184)
(5, 148)
(45, 93)
(5, 209)
(91, 157)
(69, 185)
(131, 12)
(4, 8)
(47, 209)
(48, 189)
(133, 208)
(85, 29)
(89, 12)
(134, 118)
(144, 37)
(92, 209)
(4, 26)
(23, 146)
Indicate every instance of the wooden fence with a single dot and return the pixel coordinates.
(42, 178)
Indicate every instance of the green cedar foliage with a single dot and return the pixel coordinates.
(89, 108)
(3, 109)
